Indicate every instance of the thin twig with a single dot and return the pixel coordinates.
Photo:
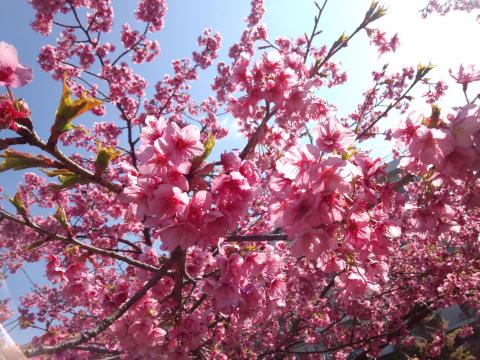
(103, 325)
(74, 241)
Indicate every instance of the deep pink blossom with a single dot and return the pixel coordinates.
(289, 239)
(9, 115)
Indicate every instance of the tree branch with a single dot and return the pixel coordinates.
(33, 139)
(264, 237)
(72, 240)
(314, 30)
(103, 325)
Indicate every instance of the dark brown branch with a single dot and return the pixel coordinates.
(83, 70)
(129, 243)
(131, 142)
(147, 236)
(66, 26)
(264, 237)
(283, 237)
(343, 41)
(5, 143)
(198, 303)
(413, 317)
(97, 350)
(172, 95)
(86, 32)
(253, 140)
(328, 287)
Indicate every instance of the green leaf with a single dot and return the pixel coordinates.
(18, 203)
(423, 70)
(208, 146)
(17, 160)
(68, 180)
(57, 172)
(375, 12)
(104, 156)
(61, 217)
(68, 109)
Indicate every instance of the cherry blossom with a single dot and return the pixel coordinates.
(12, 73)
(157, 240)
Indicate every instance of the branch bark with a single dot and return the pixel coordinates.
(103, 325)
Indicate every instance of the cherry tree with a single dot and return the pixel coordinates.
(155, 250)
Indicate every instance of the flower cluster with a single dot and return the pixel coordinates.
(449, 147)
(156, 242)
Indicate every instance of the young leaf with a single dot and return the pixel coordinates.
(18, 203)
(104, 156)
(68, 180)
(68, 110)
(17, 160)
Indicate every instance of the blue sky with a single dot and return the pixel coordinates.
(435, 40)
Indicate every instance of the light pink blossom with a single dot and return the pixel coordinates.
(12, 73)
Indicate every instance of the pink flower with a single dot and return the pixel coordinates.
(313, 244)
(407, 129)
(457, 162)
(241, 74)
(153, 12)
(357, 232)
(168, 201)
(333, 174)
(297, 162)
(356, 284)
(12, 73)
(182, 144)
(54, 272)
(194, 328)
(465, 125)
(227, 296)
(197, 261)
(466, 76)
(145, 333)
(383, 44)
(198, 208)
(153, 129)
(300, 213)
(8, 115)
(270, 63)
(251, 299)
(184, 235)
(423, 219)
(431, 145)
(230, 161)
(332, 136)
(232, 193)
(153, 159)
(138, 196)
